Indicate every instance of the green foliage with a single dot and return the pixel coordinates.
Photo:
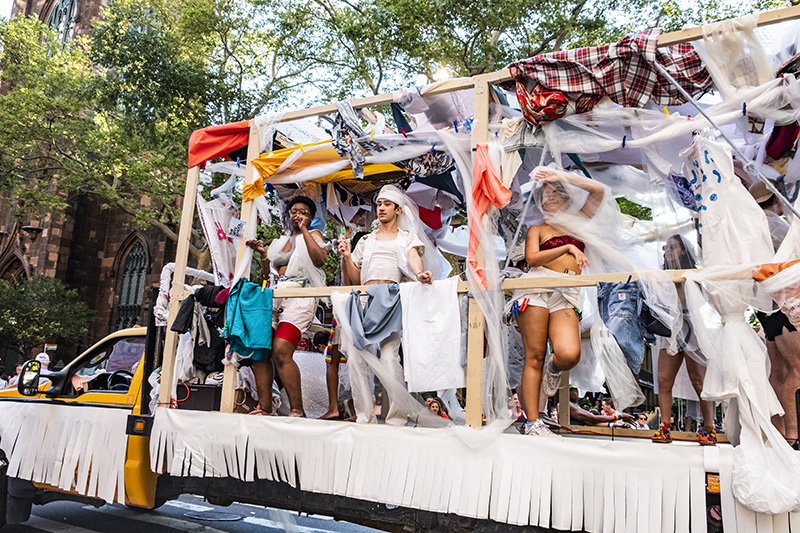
(41, 310)
(633, 209)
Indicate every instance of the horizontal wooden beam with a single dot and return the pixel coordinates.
(589, 280)
(693, 34)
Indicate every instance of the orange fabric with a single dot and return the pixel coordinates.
(251, 191)
(217, 141)
(767, 270)
(487, 189)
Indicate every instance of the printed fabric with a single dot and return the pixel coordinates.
(349, 137)
(215, 218)
(248, 320)
(623, 71)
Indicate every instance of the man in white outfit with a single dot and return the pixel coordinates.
(387, 255)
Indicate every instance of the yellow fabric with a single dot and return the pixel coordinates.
(268, 164)
(251, 191)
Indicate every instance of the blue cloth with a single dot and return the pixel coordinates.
(380, 317)
(248, 320)
(400, 118)
(619, 305)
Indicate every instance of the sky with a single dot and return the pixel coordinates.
(5, 8)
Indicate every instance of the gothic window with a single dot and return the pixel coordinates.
(129, 306)
(62, 18)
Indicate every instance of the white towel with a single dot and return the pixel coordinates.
(432, 336)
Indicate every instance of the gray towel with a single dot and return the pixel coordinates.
(381, 316)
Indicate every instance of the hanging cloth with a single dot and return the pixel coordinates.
(248, 319)
(432, 341)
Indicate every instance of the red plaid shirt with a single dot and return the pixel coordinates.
(622, 71)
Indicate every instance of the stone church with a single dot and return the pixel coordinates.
(99, 252)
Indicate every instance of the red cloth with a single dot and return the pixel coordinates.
(623, 71)
(431, 217)
(782, 140)
(487, 189)
(217, 141)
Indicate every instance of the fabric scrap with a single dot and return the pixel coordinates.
(248, 320)
(378, 318)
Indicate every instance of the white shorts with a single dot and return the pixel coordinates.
(551, 299)
(297, 311)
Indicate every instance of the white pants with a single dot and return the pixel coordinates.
(363, 389)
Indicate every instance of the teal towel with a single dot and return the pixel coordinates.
(248, 320)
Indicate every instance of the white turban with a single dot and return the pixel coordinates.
(393, 194)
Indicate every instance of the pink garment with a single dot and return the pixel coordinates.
(487, 189)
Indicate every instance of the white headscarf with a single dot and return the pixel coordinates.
(409, 220)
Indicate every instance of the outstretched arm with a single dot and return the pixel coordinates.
(586, 417)
(415, 262)
(258, 246)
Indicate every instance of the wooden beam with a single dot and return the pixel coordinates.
(693, 34)
(475, 332)
(253, 148)
(178, 293)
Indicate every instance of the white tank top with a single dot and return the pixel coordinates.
(383, 263)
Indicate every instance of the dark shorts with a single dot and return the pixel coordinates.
(773, 324)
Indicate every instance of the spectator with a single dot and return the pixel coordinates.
(437, 407)
(641, 421)
(516, 412)
(44, 359)
(15, 377)
(581, 417)
(3, 381)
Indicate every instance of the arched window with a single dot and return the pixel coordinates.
(129, 305)
(62, 18)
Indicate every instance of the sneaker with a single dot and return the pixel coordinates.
(539, 429)
(548, 421)
(551, 380)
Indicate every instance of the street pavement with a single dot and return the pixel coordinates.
(73, 517)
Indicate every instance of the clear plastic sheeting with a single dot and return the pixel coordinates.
(624, 388)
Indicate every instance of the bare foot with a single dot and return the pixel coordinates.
(331, 415)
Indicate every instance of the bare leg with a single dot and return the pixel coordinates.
(697, 374)
(533, 326)
(789, 345)
(668, 366)
(332, 382)
(282, 352)
(264, 374)
(565, 335)
(777, 375)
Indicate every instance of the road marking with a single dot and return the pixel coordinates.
(320, 516)
(281, 526)
(189, 506)
(153, 517)
(52, 526)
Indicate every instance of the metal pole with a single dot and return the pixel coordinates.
(749, 166)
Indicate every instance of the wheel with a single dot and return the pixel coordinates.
(3, 489)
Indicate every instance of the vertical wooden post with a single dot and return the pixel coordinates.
(178, 293)
(253, 149)
(475, 334)
(563, 399)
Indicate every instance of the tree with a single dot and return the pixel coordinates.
(40, 310)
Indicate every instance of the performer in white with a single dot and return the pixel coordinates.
(297, 261)
(389, 254)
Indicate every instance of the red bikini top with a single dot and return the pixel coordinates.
(561, 240)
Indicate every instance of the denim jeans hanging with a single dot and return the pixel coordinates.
(619, 305)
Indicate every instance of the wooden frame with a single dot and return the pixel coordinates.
(475, 351)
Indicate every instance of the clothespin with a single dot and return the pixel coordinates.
(744, 109)
(624, 138)
(689, 117)
(432, 147)
(629, 280)
(523, 306)
(263, 285)
(455, 125)
(666, 111)
(371, 134)
(403, 131)
(238, 162)
(301, 148)
(468, 124)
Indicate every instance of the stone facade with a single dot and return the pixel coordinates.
(85, 246)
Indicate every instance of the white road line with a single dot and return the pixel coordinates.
(278, 525)
(320, 516)
(189, 506)
(53, 526)
(152, 517)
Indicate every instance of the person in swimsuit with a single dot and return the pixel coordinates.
(291, 316)
(677, 257)
(551, 314)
